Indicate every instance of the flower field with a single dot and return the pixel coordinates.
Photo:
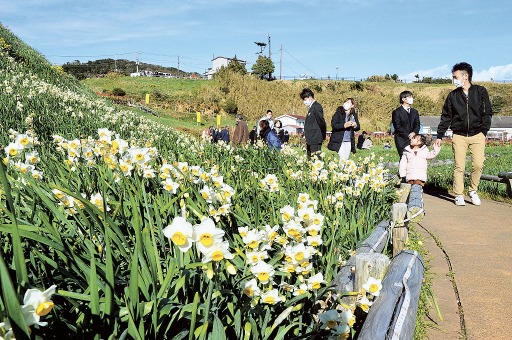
(115, 227)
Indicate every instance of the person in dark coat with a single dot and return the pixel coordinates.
(360, 140)
(315, 128)
(406, 122)
(344, 122)
(224, 135)
(253, 135)
(278, 129)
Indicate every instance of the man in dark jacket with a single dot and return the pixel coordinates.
(315, 127)
(468, 112)
(224, 135)
(406, 122)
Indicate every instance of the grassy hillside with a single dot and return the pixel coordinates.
(253, 96)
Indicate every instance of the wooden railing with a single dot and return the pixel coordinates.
(393, 313)
(503, 177)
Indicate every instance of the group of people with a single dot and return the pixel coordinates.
(467, 112)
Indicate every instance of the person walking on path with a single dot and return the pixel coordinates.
(315, 127)
(413, 164)
(406, 122)
(468, 112)
(241, 134)
(344, 122)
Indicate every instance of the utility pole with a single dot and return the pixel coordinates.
(281, 62)
(137, 62)
(178, 67)
(269, 55)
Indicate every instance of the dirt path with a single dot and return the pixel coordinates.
(471, 250)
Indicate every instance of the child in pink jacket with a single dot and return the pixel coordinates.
(413, 164)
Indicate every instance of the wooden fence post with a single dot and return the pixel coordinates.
(369, 265)
(399, 234)
(406, 187)
(393, 314)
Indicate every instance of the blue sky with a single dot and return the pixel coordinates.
(350, 38)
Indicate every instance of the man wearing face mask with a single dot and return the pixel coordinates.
(406, 122)
(315, 127)
(468, 112)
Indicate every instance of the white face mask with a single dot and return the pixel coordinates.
(458, 83)
(409, 100)
(347, 106)
(307, 102)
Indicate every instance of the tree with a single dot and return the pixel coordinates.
(263, 67)
(236, 66)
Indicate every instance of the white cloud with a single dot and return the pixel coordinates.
(501, 72)
(442, 71)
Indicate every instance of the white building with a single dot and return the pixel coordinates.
(218, 62)
(501, 127)
(292, 123)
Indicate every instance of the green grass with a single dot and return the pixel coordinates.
(498, 158)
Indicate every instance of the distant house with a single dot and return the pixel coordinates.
(218, 62)
(292, 123)
(501, 127)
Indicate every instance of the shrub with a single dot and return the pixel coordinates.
(118, 92)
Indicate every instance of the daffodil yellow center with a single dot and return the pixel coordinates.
(299, 256)
(44, 308)
(13, 152)
(139, 157)
(253, 244)
(24, 141)
(313, 232)
(204, 194)
(269, 299)
(217, 255)
(248, 292)
(373, 288)
(315, 285)
(286, 216)
(263, 276)
(206, 239)
(331, 324)
(179, 238)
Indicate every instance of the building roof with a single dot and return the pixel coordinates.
(498, 122)
(220, 57)
(293, 116)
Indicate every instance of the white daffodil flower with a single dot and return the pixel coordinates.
(315, 281)
(271, 297)
(263, 271)
(217, 252)
(180, 232)
(373, 286)
(206, 234)
(251, 288)
(36, 304)
(330, 319)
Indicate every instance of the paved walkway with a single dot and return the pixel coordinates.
(474, 243)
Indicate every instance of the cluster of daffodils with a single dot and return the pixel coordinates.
(340, 320)
(207, 238)
(297, 239)
(370, 290)
(270, 183)
(127, 158)
(110, 149)
(35, 305)
(20, 154)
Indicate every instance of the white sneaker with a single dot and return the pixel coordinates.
(474, 198)
(459, 200)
